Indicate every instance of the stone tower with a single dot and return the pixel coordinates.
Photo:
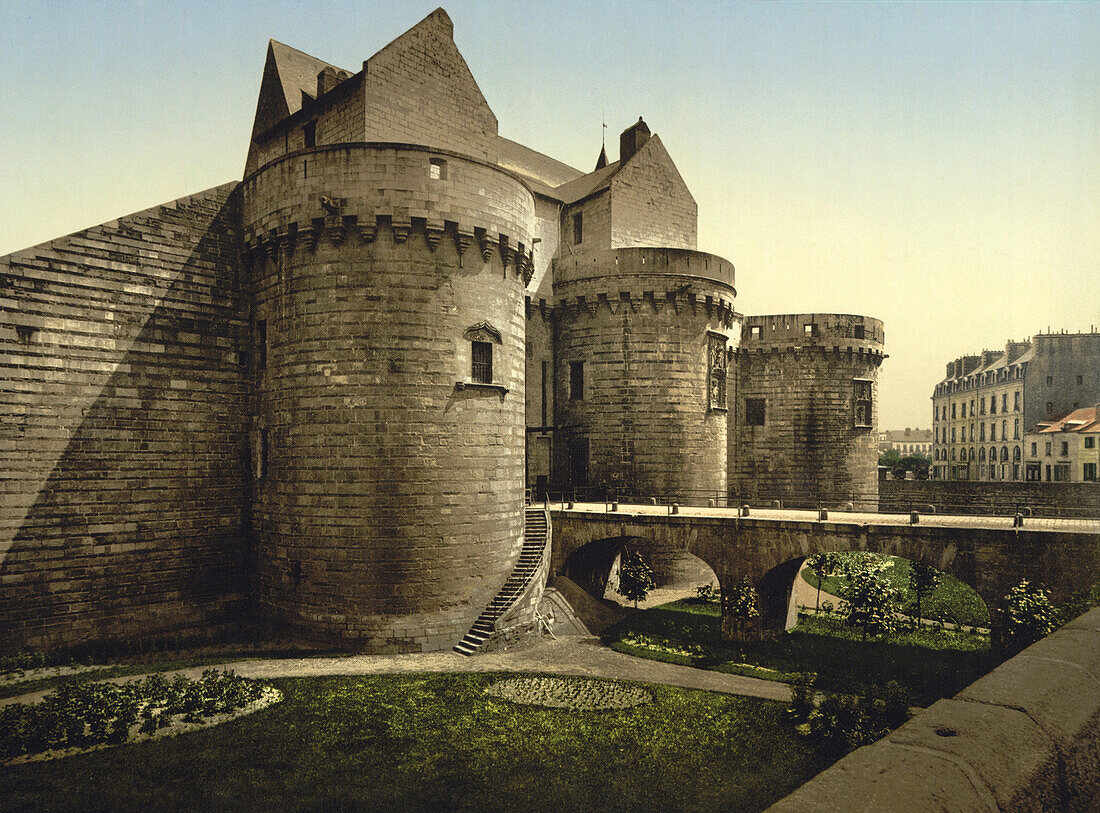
(804, 427)
(386, 282)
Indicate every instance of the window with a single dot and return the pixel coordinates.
(862, 404)
(810, 329)
(1089, 473)
(1004, 454)
(992, 430)
(481, 362)
(261, 344)
(858, 331)
(992, 404)
(952, 411)
(755, 331)
(981, 455)
(1015, 471)
(1048, 451)
(437, 169)
(578, 228)
(259, 454)
(1004, 402)
(576, 380)
(1061, 473)
(1090, 442)
(1034, 449)
(1016, 401)
(1065, 448)
(971, 407)
(309, 132)
(981, 432)
(952, 436)
(1016, 455)
(1050, 380)
(1080, 379)
(1016, 429)
(754, 412)
(716, 386)
(981, 406)
(1004, 430)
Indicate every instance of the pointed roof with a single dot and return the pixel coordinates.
(587, 185)
(289, 74)
(601, 162)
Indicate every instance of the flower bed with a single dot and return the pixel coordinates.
(82, 716)
(580, 694)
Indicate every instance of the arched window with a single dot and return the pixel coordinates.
(971, 452)
(1016, 454)
(1004, 454)
(981, 455)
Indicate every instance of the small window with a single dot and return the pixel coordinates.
(1080, 379)
(437, 169)
(1048, 448)
(481, 364)
(810, 329)
(1090, 442)
(1050, 408)
(858, 331)
(1089, 473)
(578, 228)
(576, 380)
(862, 403)
(1065, 448)
(754, 412)
(1050, 380)
(953, 411)
(1016, 401)
(756, 331)
(309, 131)
(1016, 429)
(261, 344)
(1034, 449)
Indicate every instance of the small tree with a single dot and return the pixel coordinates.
(635, 578)
(1026, 615)
(823, 565)
(923, 578)
(740, 606)
(871, 603)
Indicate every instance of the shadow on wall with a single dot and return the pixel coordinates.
(138, 524)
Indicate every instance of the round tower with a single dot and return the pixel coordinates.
(387, 285)
(803, 429)
(644, 340)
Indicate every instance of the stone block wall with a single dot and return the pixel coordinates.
(122, 429)
(985, 498)
(391, 508)
(1061, 359)
(595, 212)
(808, 448)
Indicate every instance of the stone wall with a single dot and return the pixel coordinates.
(1024, 737)
(122, 429)
(391, 508)
(963, 497)
(808, 447)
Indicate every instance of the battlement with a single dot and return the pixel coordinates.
(606, 266)
(838, 332)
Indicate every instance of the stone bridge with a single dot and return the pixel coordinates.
(991, 554)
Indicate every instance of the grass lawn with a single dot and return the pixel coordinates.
(952, 600)
(930, 663)
(438, 742)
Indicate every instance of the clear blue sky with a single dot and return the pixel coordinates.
(934, 165)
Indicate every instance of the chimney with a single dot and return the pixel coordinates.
(632, 140)
(969, 364)
(329, 78)
(1016, 349)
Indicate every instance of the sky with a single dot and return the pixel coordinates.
(936, 166)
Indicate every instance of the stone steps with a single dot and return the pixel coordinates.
(534, 541)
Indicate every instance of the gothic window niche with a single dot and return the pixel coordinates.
(717, 368)
(861, 402)
(485, 343)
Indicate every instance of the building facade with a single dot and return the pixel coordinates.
(987, 403)
(317, 396)
(906, 441)
(1066, 450)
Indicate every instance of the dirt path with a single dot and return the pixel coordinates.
(566, 656)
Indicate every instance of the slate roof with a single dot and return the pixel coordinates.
(1084, 420)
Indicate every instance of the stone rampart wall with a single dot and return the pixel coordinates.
(122, 429)
(966, 497)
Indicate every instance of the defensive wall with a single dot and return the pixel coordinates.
(769, 552)
(389, 501)
(124, 496)
(806, 413)
(1024, 737)
(987, 498)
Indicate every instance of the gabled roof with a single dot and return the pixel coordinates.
(542, 172)
(587, 185)
(1086, 419)
(288, 74)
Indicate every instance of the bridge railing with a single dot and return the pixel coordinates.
(857, 502)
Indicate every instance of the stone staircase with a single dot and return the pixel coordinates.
(535, 532)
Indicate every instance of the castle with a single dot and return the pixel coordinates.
(319, 394)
